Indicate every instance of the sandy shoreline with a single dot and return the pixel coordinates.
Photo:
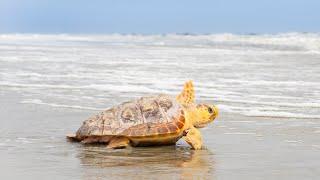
(238, 147)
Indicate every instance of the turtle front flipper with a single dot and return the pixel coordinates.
(193, 138)
(118, 143)
(187, 95)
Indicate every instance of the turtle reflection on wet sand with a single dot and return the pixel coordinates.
(149, 121)
(179, 161)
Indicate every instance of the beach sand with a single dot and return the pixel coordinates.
(33, 146)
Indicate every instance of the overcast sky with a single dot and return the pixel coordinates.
(161, 16)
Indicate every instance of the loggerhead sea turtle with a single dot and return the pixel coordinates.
(148, 121)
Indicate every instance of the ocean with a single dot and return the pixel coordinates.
(267, 88)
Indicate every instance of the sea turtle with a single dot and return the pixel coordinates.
(151, 120)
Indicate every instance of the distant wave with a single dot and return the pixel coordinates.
(306, 42)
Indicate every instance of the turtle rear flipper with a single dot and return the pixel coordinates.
(118, 143)
(72, 137)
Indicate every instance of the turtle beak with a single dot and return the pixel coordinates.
(215, 112)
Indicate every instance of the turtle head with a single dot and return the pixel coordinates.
(201, 114)
(205, 114)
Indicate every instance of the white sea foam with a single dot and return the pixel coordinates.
(40, 102)
(257, 113)
(271, 83)
(275, 104)
(109, 87)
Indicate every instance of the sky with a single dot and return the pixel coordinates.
(159, 17)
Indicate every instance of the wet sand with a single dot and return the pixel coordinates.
(33, 146)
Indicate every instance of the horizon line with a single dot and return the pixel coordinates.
(161, 34)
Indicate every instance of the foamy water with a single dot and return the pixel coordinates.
(252, 75)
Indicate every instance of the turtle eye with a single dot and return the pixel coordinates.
(210, 110)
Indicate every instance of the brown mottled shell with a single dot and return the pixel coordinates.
(147, 116)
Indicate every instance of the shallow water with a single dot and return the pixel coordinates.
(266, 86)
(266, 75)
